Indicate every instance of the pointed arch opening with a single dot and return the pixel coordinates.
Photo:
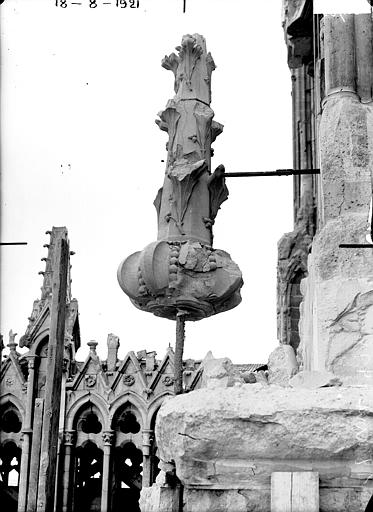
(154, 459)
(88, 421)
(127, 423)
(127, 484)
(127, 460)
(88, 477)
(10, 419)
(10, 463)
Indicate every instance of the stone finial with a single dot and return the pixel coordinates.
(192, 69)
(141, 354)
(92, 348)
(150, 361)
(181, 270)
(12, 344)
(112, 354)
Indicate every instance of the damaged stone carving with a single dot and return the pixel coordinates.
(181, 271)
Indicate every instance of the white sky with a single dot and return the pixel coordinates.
(80, 92)
(341, 6)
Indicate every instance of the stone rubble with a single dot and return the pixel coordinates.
(314, 379)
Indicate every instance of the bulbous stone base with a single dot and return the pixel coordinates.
(167, 277)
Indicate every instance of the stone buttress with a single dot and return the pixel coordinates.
(336, 323)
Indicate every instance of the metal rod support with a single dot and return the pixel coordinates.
(179, 350)
(278, 172)
(13, 243)
(356, 246)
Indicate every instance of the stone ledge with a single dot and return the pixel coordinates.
(327, 430)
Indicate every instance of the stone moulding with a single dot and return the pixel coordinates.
(181, 271)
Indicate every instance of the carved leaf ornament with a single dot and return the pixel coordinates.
(184, 177)
(203, 115)
(169, 119)
(191, 52)
(218, 190)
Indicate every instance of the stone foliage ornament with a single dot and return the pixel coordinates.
(168, 380)
(129, 380)
(90, 380)
(181, 273)
(9, 382)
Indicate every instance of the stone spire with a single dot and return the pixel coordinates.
(47, 274)
(181, 271)
(39, 306)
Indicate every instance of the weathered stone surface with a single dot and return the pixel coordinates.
(159, 498)
(346, 156)
(313, 380)
(166, 499)
(336, 322)
(216, 500)
(262, 377)
(219, 373)
(235, 438)
(282, 365)
(249, 377)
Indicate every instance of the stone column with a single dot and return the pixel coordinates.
(60, 448)
(147, 439)
(69, 442)
(27, 436)
(108, 437)
(37, 430)
(23, 477)
(1, 347)
(336, 315)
